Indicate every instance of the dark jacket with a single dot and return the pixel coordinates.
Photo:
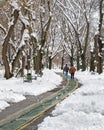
(66, 69)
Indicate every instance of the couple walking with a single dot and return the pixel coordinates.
(71, 70)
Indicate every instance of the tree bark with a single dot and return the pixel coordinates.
(50, 62)
(100, 59)
(8, 74)
(38, 62)
(62, 62)
(42, 42)
(92, 66)
(14, 63)
(83, 56)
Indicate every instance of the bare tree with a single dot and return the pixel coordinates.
(100, 59)
(12, 52)
(76, 12)
(15, 16)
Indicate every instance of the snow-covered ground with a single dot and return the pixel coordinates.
(15, 90)
(82, 110)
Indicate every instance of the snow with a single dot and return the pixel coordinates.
(24, 19)
(34, 34)
(24, 38)
(42, 9)
(14, 4)
(81, 110)
(15, 90)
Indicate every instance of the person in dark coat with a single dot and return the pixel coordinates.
(65, 71)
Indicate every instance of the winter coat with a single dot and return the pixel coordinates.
(66, 69)
(72, 69)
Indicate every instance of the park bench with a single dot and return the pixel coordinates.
(28, 77)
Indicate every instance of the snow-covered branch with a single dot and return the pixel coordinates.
(3, 29)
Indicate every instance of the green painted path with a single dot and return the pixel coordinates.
(25, 117)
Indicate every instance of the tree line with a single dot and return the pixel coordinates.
(34, 32)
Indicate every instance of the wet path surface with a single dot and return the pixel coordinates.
(45, 99)
(34, 125)
(15, 107)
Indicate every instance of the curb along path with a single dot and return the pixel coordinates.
(31, 113)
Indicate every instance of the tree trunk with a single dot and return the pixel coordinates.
(92, 66)
(62, 63)
(71, 60)
(34, 42)
(23, 66)
(96, 49)
(50, 62)
(15, 61)
(100, 59)
(78, 64)
(42, 43)
(99, 65)
(39, 62)
(21, 71)
(83, 62)
(8, 74)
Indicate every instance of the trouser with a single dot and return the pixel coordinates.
(72, 75)
(66, 75)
